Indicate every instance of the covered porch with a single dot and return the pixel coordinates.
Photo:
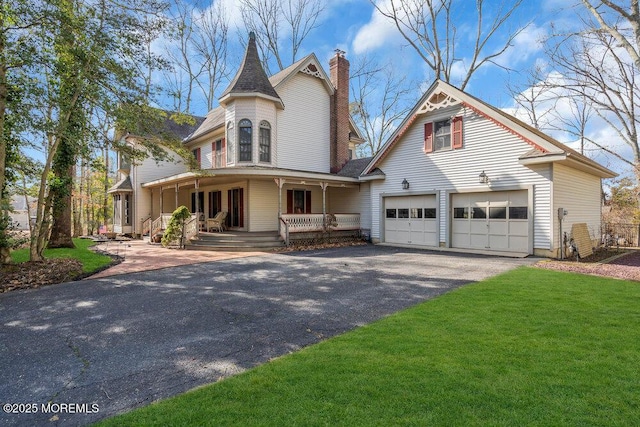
(260, 200)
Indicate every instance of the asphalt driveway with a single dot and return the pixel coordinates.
(108, 345)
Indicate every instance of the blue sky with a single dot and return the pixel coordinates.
(356, 28)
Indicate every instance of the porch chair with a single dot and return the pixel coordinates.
(217, 221)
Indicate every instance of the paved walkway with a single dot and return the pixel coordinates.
(139, 255)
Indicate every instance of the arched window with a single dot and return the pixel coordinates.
(231, 144)
(265, 141)
(245, 137)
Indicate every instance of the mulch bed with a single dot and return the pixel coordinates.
(626, 267)
(35, 274)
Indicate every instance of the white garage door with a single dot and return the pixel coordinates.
(495, 221)
(411, 220)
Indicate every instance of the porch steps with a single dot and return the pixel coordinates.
(231, 241)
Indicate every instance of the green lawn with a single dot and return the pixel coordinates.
(91, 261)
(529, 347)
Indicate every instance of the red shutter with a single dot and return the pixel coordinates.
(198, 157)
(224, 152)
(289, 201)
(241, 208)
(307, 204)
(456, 132)
(428, 137)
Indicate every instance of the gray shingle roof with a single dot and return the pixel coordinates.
(124, 185)
(251, 77)
(353, 168)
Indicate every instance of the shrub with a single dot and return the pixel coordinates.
(175, 228)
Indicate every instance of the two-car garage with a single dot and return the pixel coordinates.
(493, 221)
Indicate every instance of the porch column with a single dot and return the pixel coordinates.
(324, 186)
(177, 188)
(279, 182)
(197, 185)
(161, 202)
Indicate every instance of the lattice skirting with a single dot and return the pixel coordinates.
(317, 238)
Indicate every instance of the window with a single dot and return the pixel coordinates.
(479, 213)
(298, 201)
(430, 213)
(518, 212)
(403, 213)
(231, 141)
(460, 213)
(391, 213)
(442, 135)
(416, 213)
(265, 141)
(497, 213)
(215, 203)
(196, 155)
(218, 151)
(126, 211)
(124, 162)
(246, 132)
(200, 207)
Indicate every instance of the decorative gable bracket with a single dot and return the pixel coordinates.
(437, 101)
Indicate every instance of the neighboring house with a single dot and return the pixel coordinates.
(478, 178)
(20, 211)
(457, 173)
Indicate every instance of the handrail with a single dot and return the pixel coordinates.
(190, 228)
(285, 237)
(146, 226)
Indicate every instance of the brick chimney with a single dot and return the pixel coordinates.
(339, 70)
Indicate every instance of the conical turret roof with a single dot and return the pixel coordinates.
(251, 77)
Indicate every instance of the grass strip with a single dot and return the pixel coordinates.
(528, 347)
(91, 261)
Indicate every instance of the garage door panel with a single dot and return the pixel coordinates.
(412, 224)
(490, 226)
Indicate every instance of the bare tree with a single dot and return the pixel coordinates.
(534, 97)
(211, 47)
(380, 102)
(274, 21)
(432, 28)
(599, 73)
(621, 23)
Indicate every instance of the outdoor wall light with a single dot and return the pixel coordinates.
(405, 184)
(483, 178)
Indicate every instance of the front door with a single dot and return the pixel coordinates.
(235, 218)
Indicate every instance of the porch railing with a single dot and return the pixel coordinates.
(304, 223)
(191, 227)
(159, 224)
(347, 222)
(146, 226)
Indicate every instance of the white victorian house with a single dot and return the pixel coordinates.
(277, 156)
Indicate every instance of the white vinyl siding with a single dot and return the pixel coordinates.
(150, 170)
(579, 193)
(303, 126)
(263, 205)
(486, 147)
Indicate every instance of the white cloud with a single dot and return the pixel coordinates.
(523, 47)
(375, 33)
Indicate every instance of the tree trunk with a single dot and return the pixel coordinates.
(62, 201)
